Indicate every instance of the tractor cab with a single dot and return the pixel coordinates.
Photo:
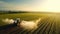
(17, 20)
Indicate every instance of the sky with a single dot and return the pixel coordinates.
(31, 5)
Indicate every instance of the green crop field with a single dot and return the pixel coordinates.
(23, 16)
(50, 22)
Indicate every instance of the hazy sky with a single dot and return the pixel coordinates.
(31, 5)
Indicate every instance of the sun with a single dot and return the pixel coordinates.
(49, 6)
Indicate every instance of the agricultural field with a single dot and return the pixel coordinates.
(23, 16)
(49, 24)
